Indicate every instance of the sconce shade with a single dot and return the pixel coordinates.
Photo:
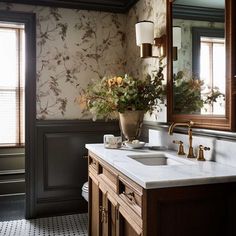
(177, 37)
(144, 32)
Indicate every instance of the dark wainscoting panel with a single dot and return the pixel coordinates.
(61, 163)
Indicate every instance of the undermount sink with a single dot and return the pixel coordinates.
(155, 160)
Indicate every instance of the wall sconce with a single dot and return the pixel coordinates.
(176, 41)
(145, 40)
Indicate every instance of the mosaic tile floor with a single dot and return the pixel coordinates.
(69, 225)
(12, 208)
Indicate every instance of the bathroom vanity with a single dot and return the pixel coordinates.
(143, 192)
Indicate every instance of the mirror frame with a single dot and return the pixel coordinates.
(207, 121)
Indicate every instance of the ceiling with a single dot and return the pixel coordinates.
(120, 6)
(202, 3)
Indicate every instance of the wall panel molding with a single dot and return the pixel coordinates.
(61, 168)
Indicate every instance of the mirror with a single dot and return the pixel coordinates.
(199, 59)
(198, 62)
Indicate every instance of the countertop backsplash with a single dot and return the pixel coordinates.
(221, 151)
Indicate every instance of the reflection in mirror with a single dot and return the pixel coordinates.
(198, 57)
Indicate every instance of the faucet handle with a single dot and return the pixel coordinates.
(181, 147)
(191, 123)
(201, 150)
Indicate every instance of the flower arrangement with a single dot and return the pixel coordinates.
(189, 95)
(105, 98)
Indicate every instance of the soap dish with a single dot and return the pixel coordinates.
(158, 148)
(134, 145)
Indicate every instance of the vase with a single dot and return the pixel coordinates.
(131, 124)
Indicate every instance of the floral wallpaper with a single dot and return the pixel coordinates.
(154, 10)
(184, 61)
(73, 47)
(143, 10)
(76, 46)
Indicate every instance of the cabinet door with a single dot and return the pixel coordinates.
(108, 214)
(94, 208)
(104, 214)
(126, 226)
(112, 216)
(102, 210)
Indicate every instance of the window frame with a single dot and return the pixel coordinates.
(29, 21)
(197, 33)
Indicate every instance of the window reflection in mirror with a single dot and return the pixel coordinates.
(212, 57)
(199, 57)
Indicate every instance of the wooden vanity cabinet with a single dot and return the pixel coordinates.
(120, 207)
(109, 198)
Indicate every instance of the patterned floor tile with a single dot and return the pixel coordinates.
(69, 225)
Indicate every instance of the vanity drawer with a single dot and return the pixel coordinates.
(108, 176)
(131, 194)
(104, 172)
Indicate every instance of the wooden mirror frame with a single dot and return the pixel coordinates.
(207, 121)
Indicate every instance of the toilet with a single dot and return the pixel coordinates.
(85, 191)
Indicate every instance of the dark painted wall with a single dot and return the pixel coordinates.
(60, 164)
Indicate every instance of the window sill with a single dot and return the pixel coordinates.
(11, 146)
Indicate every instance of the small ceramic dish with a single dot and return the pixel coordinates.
(134, 145)
(158, 148)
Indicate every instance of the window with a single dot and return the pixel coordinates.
(12, 83)
(212, 64)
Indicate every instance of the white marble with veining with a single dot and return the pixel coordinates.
(191, 172)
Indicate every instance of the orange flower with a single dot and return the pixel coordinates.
(119, 80)
(110, 82)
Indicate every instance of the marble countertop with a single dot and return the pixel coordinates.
(187, 172)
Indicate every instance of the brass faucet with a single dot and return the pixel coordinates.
(188, 124)
(201, 150)
(181, 147)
